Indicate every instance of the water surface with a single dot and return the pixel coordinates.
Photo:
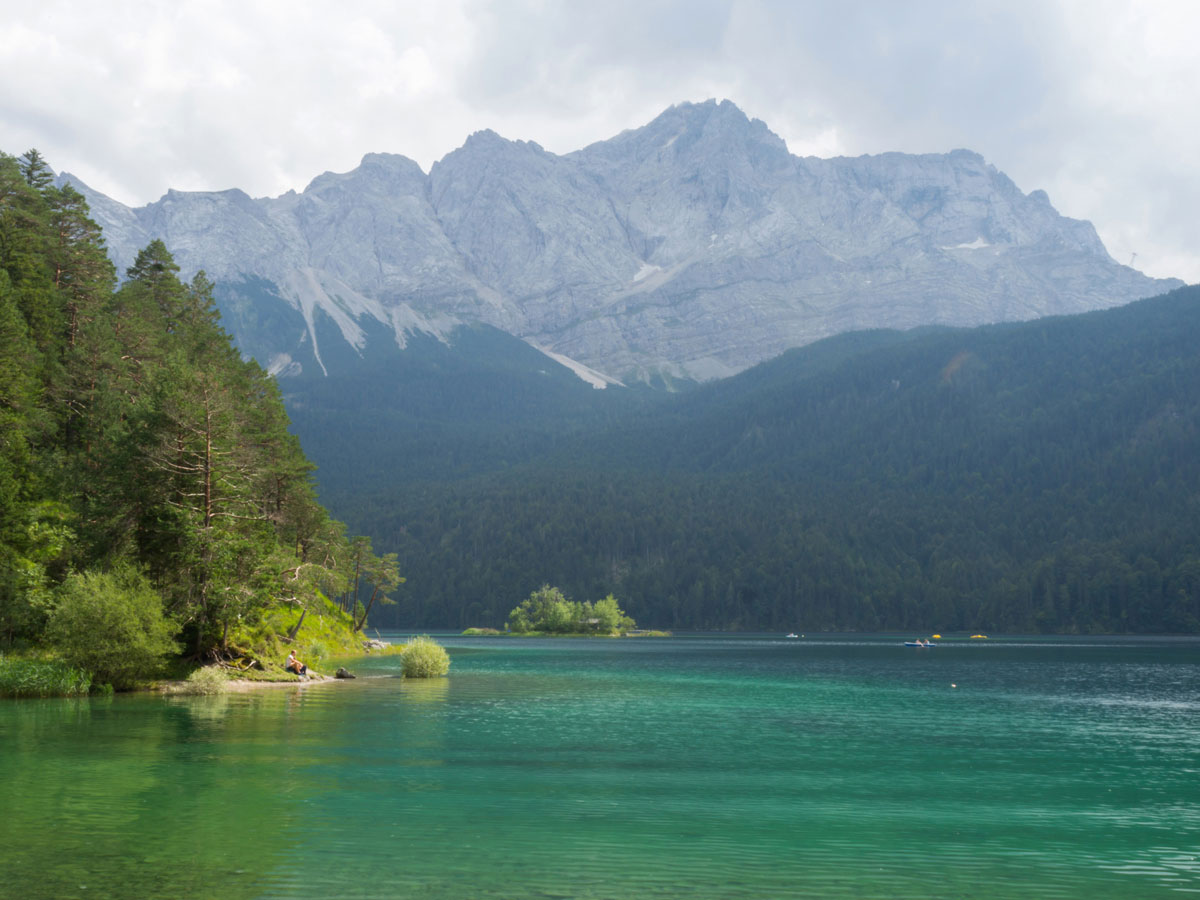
(698, 767)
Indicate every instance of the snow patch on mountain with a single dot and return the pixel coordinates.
(598, 380)
(645, 271)
(977, 244)
(281, 365)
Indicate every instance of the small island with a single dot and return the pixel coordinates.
(548, 611)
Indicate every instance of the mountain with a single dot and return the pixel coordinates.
(1020, 477)
(691, 248)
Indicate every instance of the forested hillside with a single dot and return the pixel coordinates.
(146, 470)
(1034, 477)
(443, 410)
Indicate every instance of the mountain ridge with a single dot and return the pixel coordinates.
(692, 247)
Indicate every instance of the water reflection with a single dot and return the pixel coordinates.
(137, 797)
(425, 690)
(210, 710)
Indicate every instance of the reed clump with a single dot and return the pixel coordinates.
(42, 678)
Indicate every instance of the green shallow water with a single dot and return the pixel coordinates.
(697, 767)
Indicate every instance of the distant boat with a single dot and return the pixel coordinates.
(919, 644)
(793, 634)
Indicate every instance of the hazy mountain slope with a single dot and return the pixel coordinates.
(479, 402)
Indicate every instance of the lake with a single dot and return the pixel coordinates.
(691, 767)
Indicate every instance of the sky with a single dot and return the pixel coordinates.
(1096, 102)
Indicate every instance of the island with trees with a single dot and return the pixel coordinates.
(547, 611)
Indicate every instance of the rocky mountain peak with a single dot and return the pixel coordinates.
(692, 135)
(692, 247)
(376, 172)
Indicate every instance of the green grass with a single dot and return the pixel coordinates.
(325, 634)
(29, 677)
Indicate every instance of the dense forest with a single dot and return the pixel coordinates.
(151, 494)
(1037, 477)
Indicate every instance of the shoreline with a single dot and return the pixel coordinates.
(239, 685)
(236, 685)
(246, 685)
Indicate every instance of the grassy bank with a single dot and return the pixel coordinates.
(41, 677)
(255, 653)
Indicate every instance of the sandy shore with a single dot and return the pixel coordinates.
(240, 685)
(245, 685)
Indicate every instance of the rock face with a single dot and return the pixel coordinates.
(693, 247)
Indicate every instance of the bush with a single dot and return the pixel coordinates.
(112, 624)
(42, 678)
(204, 682)
(545, 610)
(317, 653)
(423, 657)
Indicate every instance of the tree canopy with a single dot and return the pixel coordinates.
(145, 466)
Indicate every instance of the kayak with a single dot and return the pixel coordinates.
(917, 644)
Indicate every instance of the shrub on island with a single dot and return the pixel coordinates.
(423, 657)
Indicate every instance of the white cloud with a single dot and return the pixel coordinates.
(1093, 102)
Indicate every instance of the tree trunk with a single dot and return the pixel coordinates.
(358, 626)
(296, 628)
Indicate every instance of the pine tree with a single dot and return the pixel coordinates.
(35, 171)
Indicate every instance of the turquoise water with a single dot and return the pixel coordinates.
(697, 767)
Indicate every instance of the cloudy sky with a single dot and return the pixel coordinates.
(1096, 102)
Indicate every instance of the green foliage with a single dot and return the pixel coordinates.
(112, 625)
(28, 677)
(423, 657)
(376, 575)
(548, 611)
(325, 633)
(608, 616)
(133, 435)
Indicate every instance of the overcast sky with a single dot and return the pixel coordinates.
(1096, 102)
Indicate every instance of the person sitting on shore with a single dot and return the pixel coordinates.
(294, 665)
